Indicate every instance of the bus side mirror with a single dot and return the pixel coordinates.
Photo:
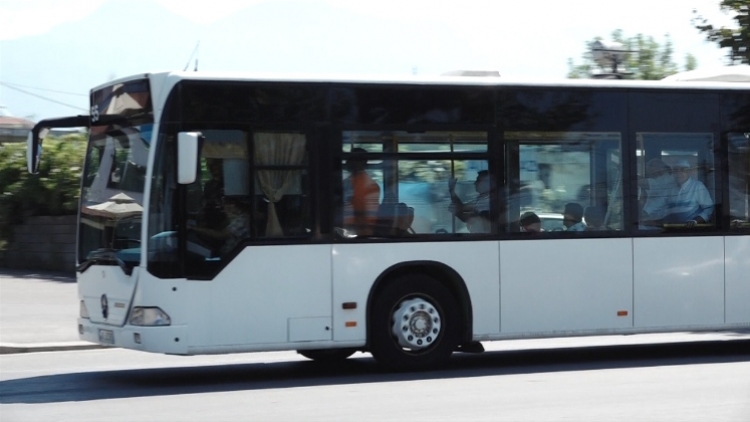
(40, 131)
(34, 149)
(32, 154)
(187, 157)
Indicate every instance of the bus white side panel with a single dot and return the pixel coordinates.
(679, 281)
(737, 278)
(357, 266)
(564, 285)
(261, 293)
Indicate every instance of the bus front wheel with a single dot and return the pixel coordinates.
(414, 323)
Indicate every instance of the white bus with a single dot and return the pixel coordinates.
(224, 213)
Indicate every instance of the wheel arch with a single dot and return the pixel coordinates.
(440, 272)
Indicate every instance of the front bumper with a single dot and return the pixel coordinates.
(171, 339)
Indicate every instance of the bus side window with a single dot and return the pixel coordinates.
(739, 180)
(425, 183)
(281, 195)
(551, 172)
(675, 180)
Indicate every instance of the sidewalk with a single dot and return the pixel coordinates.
(38, 312)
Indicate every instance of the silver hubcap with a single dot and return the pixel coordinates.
(416, 324)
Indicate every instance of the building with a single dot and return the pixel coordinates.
(13, 129)
(739, 73)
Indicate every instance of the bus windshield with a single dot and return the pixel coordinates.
(115, 173)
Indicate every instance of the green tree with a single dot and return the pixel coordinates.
(645, 59)
(737, 40)
(690, 62)
(54, 191)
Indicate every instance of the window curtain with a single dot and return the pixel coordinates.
(277, 149)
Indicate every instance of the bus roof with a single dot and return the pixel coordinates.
(480, 81)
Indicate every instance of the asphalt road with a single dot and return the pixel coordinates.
(705, 381)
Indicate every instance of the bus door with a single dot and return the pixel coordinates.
(679, 269)
(555, 278)
(249, 230)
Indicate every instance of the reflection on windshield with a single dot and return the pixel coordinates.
(112, 194)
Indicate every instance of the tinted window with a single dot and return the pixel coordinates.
(241, 104)
(411, 105)
(676, 180)
(399, 184)
(674, 112)
(674, 134)
(251, 186)
(564, 181)
(739, 180)
(736, 126)
(562, 110)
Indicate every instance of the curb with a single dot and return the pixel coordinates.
(14, 348)
(58, 276)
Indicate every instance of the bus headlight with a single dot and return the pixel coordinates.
(149, 317)
(83, 311)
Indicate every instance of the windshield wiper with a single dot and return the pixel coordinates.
(104, 256)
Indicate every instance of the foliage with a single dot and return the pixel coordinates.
(737, 40)
(53, 191)
(647, 59)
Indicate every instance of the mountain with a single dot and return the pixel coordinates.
(123, 38)
(114, 41)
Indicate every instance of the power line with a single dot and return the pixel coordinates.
(44, 89)
(42, 97)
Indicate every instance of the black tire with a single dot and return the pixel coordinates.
(327, 355)
(414, 289)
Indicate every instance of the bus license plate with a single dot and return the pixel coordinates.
(106, 337)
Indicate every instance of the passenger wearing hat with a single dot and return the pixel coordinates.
(691, 204)
(573, 216)
(658, 187)
(530, 223)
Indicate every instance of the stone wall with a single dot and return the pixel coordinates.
(43, 243)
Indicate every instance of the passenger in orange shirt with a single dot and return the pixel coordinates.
(361, 196)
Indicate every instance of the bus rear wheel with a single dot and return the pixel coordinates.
(414, 324)
(327, 355)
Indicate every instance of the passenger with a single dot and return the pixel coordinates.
(572, 216)
(394, 220)
(476, 214)
(593, 216)
(404, 219)
(691, 204)
(235, 227)
(658, 188)
(361, 195)
(530, 223)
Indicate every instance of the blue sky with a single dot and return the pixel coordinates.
(72, 45)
